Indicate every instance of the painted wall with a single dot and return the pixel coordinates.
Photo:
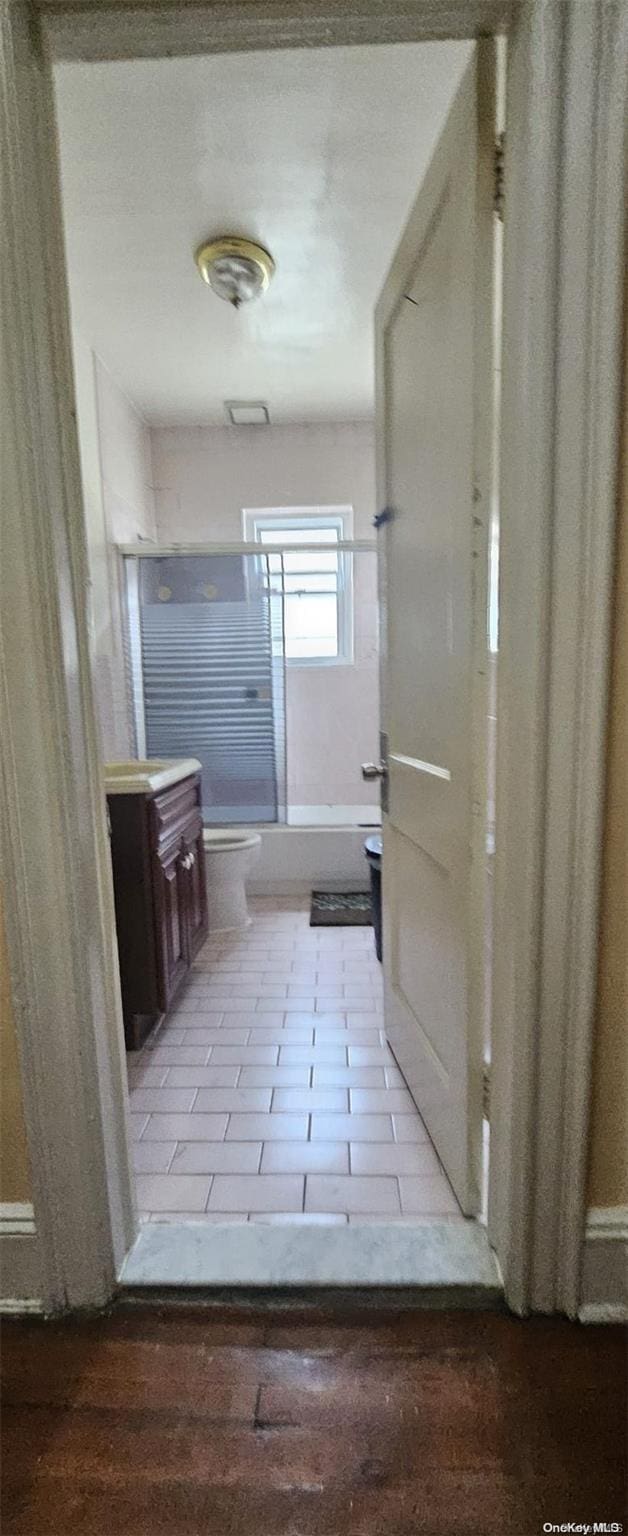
(15, 1179)
(119, 507)
(608, 1169)
(204, 477)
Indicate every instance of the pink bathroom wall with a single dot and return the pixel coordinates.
(204, 477)
(119, 506)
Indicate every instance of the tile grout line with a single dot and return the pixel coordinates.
(273, 956)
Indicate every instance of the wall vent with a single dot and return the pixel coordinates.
(247, 413)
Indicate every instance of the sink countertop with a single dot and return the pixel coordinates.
(148, 776)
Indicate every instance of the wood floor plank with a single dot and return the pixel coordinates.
(195, 1421)
(446, 1506)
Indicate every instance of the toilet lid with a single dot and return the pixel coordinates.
(229, 842)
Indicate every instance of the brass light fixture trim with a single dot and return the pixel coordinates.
(238, 270)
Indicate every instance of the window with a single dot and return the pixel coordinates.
(316, 584)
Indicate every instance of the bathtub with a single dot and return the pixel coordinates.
(294, 860)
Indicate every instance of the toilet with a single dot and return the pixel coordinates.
(229, 856)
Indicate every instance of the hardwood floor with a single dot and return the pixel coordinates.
(182, 1421)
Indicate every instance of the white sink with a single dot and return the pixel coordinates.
(145, 776)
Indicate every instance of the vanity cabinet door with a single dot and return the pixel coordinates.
(194, 873)
(171, 900)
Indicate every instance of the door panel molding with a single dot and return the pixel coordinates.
(432, 769)
(566, 89)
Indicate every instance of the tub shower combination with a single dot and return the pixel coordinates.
(207, 678)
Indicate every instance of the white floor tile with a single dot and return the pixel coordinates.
(272, 1087)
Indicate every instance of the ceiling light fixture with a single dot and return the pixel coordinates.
(237, 270)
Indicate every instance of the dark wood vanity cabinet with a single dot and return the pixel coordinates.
(170, 922)
(161, 904)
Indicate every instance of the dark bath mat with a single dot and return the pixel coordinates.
(341, 909)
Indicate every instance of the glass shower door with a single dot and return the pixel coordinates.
(209, 679)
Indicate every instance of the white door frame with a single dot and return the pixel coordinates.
(562, 350)
(564, 177)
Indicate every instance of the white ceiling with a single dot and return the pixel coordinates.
(318, 154)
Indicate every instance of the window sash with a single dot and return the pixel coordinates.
(308, 576)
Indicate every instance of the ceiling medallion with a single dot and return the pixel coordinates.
(237, 270)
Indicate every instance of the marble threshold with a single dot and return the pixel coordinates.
(426, 1254)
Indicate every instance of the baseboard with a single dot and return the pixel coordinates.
(604, 1289)
(20, 1260)
(16, 1216)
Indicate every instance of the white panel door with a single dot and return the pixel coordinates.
(434, 394)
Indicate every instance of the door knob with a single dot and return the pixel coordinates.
(371, 771)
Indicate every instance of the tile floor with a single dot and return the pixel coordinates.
(270, 1093)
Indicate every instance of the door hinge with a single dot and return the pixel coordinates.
(486, 1091)
(499, 175)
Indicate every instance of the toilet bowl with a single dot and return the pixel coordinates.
(229, 856)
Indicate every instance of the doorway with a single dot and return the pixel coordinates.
(269, 1091)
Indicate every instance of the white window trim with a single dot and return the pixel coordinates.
(256, 518)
